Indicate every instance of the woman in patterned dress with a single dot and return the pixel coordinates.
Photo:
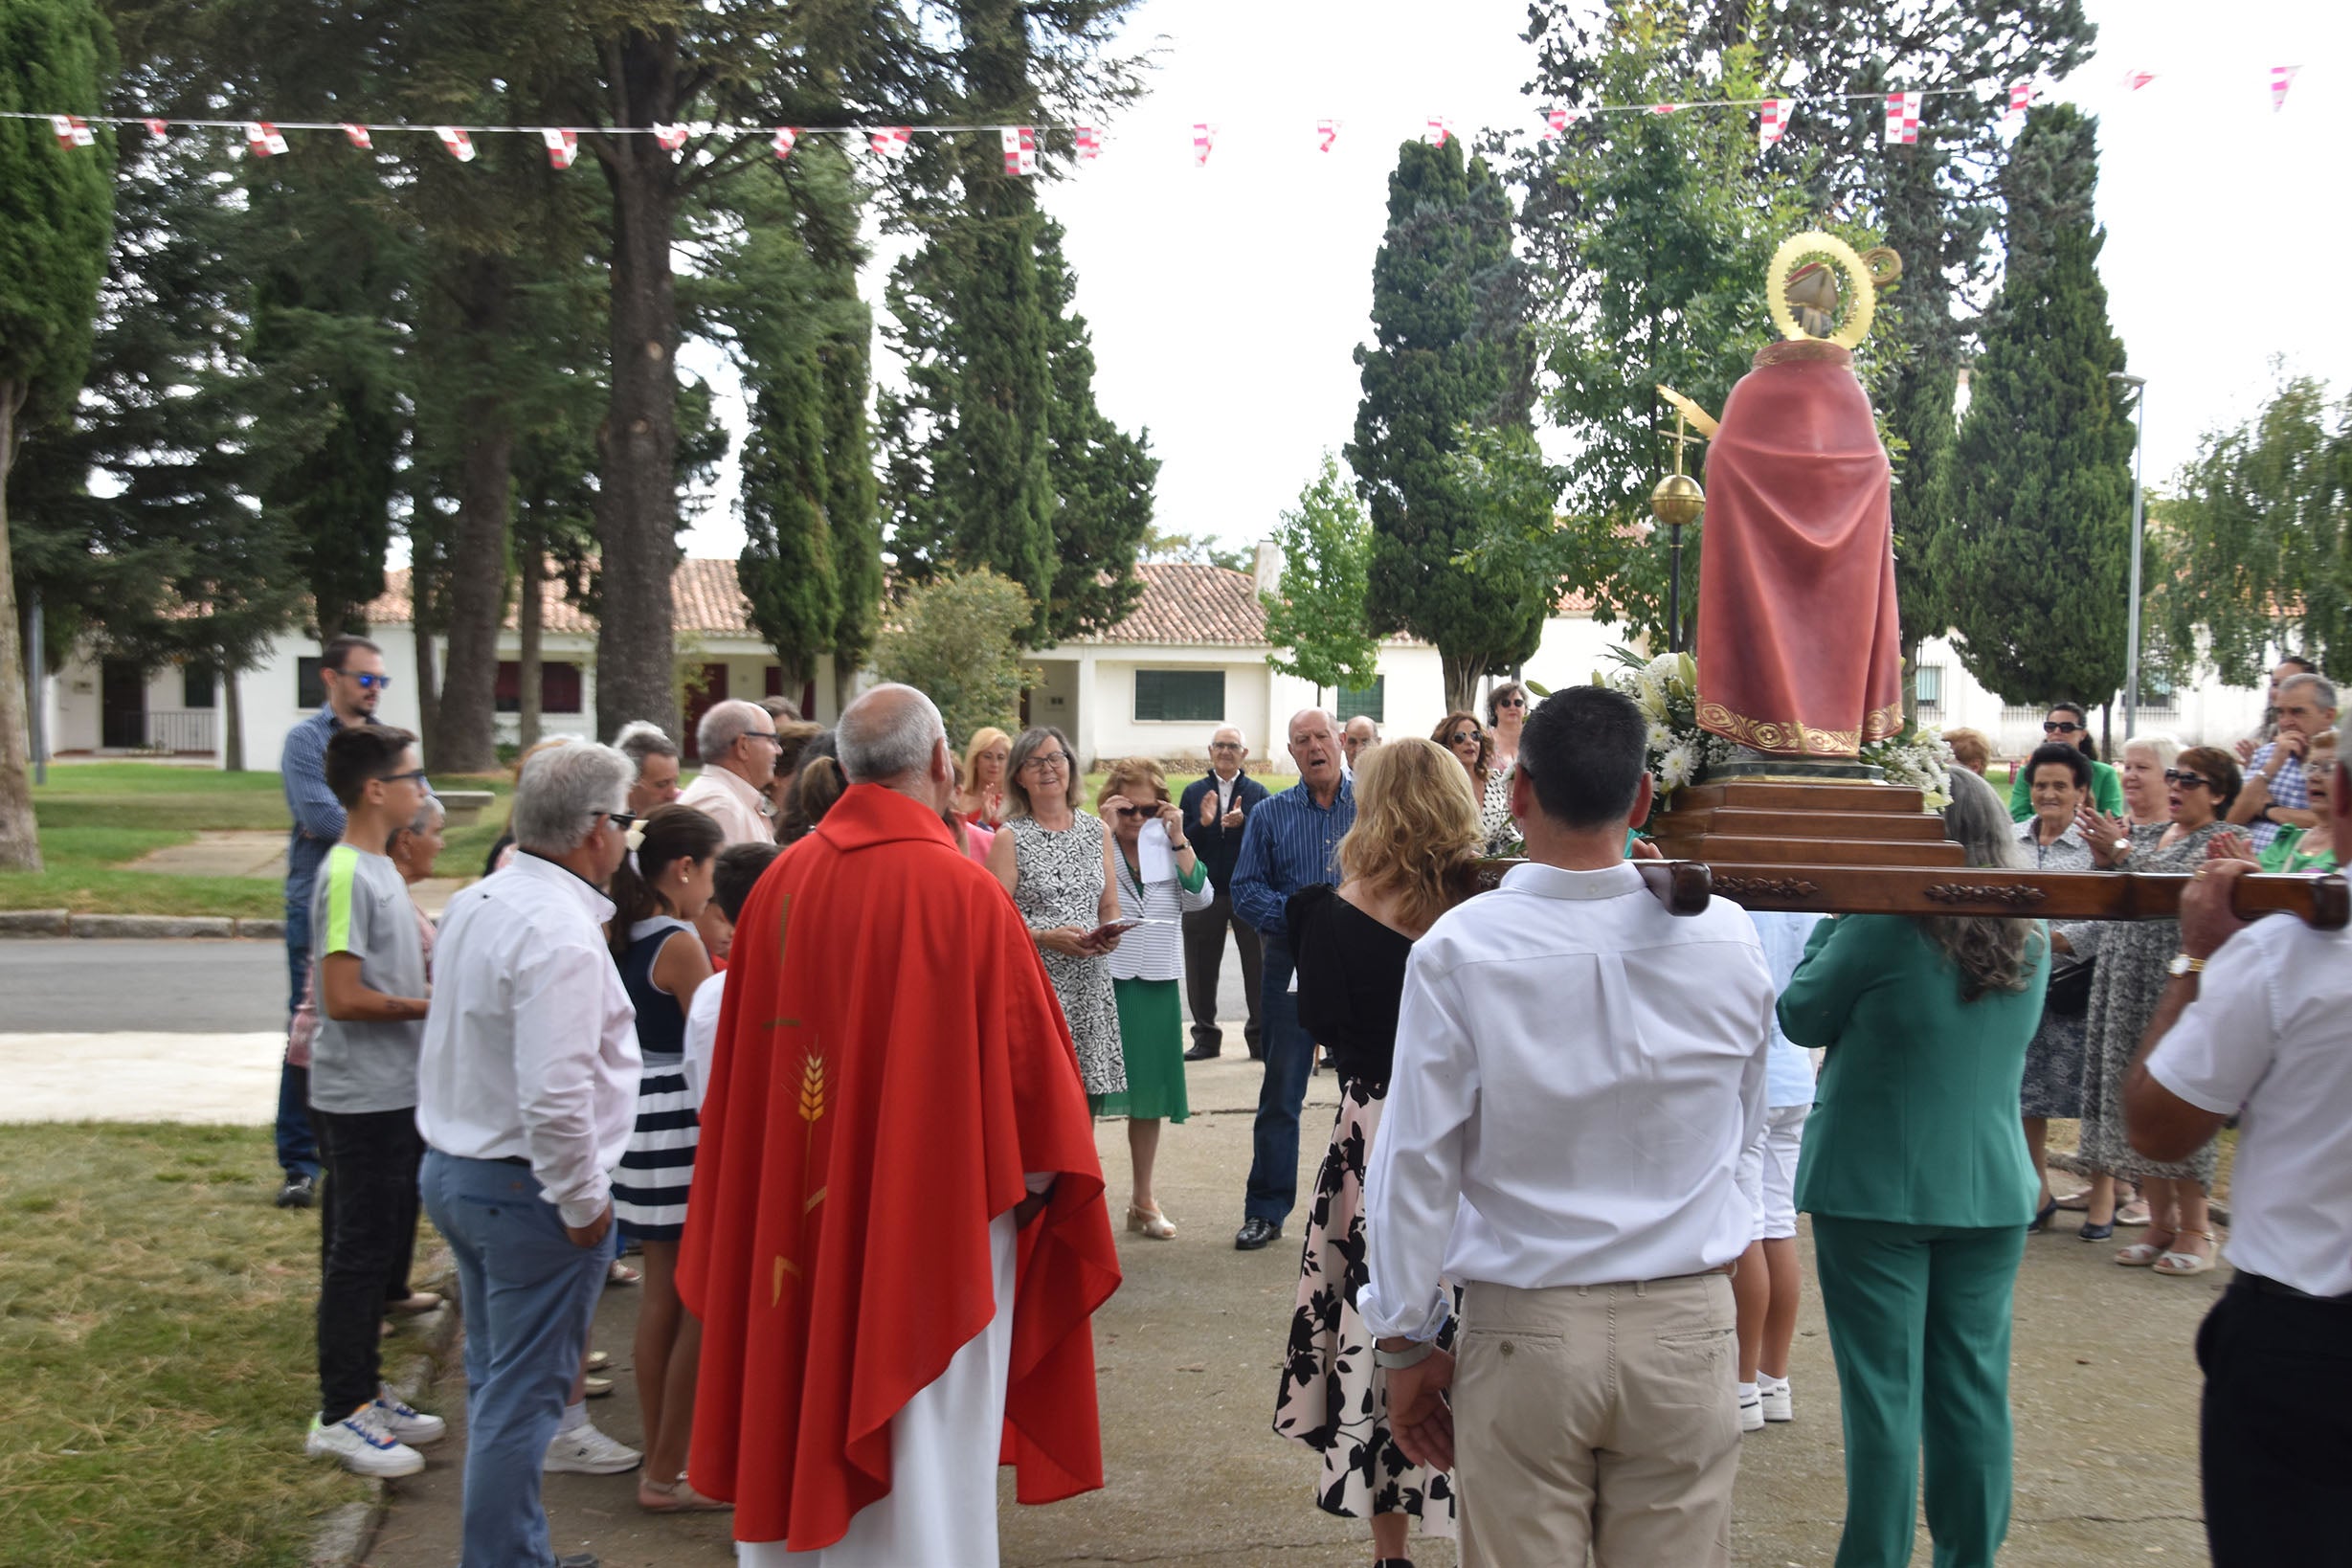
(2058, 782)
(1055, 861)
(1507, 707)
(1407, 859)
(2132, 959)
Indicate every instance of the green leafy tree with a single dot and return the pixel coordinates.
(57, 206)
(1449, 351)
(2041, 481)
(951, 638)
(2252, 550)
(1317, 613)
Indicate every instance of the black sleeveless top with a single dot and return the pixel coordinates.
(1350, 981)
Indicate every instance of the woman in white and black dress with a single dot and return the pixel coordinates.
(1407, 861)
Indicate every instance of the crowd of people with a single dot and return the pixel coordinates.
(823, 1034)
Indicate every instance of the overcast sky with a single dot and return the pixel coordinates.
(1225, 300)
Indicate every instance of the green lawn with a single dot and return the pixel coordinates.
(97, 818)
(156, 1324)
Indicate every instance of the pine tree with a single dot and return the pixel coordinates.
(1449, 351)
(2041, 483)
(57, 206)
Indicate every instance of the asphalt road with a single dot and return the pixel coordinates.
(68, 985)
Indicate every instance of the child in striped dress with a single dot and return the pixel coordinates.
(657, 895)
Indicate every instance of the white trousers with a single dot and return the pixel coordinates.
(941, 1509)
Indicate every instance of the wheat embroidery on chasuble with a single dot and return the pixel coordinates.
(811, 1104)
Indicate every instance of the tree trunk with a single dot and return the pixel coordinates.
(233, 721)
(1911, 687)
(636, 506)
(20, 843)
(1463, 671)
(531, 566)
(421, 620)
(468, 740)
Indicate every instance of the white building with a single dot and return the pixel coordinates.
(1190, 657)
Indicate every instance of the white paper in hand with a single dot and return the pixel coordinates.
(1155, 861)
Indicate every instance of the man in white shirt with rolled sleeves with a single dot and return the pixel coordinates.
(526, 1089)
(1577, 1073)
(2260, 1015)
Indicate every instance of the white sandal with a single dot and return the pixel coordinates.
(2182, 1264)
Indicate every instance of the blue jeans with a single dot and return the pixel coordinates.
(1289, 1060)
(528, 1294)
(297, 1147)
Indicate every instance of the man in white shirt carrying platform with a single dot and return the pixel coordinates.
(1577, 1073)
(2266, 1025)
(527, 1088)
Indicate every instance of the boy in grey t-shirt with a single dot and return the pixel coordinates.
(369, 979)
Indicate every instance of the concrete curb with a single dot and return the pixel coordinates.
(344, 1536)
(53, 923)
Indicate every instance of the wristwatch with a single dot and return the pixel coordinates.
(1412, 1355)
(2184, 964)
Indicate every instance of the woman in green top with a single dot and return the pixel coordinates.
(1916, 1174)
(2311, 848)
(2069, 725)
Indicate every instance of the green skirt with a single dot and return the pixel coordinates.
(1151, 1038)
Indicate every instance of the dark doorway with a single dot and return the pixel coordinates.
(122, 704)
(709, 692)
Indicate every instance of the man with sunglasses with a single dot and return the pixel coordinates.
(2276, 793)
(2068, 724)
(353, 670)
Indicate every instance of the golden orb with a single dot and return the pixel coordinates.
(1677, 501)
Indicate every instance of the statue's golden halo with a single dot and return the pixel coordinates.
(1797, 248)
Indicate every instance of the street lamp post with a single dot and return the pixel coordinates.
(2139, 448)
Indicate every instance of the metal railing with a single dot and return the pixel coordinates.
(180, 732)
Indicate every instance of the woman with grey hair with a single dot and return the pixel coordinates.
(1916, 1174)
(2142, 761)
(1054, 859)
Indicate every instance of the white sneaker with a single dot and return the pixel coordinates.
(586, 1451)
(1751, 1413)
(408, 1425)
(1776, 1401)
(363, 1445)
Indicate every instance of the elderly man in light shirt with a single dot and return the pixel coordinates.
(526, 1089)
(1577, 1073)
(737, 743)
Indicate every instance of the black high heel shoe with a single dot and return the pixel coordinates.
(2041, 1220)
(2097, 1233)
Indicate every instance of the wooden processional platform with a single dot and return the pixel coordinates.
(1850, 848)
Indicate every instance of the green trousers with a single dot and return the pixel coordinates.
(1919, 1326)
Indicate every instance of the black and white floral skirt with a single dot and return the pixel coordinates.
(1333, 1398)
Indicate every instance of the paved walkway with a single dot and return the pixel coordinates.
(1188, 1353)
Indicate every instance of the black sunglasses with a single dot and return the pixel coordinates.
(622, 819)
(1511, 702)
(2186, 781)
(416, 773)
(366, 683)
(1460, 737)
(1138, 811)
(2051, 726)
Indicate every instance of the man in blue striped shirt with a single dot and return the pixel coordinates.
(1290, 843)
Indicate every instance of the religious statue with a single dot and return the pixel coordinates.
(1799, 655)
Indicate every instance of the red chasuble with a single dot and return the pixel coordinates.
(1797, 650)
(891, 1060)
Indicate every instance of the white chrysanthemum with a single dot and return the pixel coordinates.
(1659, 737)
(1678, 766)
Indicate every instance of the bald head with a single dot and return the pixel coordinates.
(893, 736)
(1360, 737)
(1314, 749)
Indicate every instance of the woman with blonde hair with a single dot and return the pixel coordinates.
(979, 784)
(1409, 858)
(1155, 890)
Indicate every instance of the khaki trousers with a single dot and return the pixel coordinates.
(1602, 1418)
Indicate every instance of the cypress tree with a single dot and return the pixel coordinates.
(2034, 556)
(1448, 351)
(787, 562)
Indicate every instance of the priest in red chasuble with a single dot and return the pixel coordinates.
(1797, 650)
(896, 1236)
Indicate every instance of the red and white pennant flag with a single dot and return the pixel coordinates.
(562, 145)
(459, 145)
(891, 141)
(1438, 130)
(1327, 131)
(262, 137)
(671, 136)
(158, 128)
(358, 135)
(2282, 78)
(2134, 80)
(786, 138)
(1090, 144)
(1903, 119)
(1203, 141)
(2020, 97)
(1772, 121)
(1019, 149)
(1664, 108)
(1556, 121)
(73, 132)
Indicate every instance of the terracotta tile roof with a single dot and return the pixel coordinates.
(1185, 603)
(704, 598)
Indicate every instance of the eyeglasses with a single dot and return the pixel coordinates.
(2186, 781)
(1048, 761)
(416, 773)
(367, 682)
(1224, 745)
(2053, 726)
(622, 819)
(1463, 737)
(1138, 811)
(1510, 702)
(768, 735)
